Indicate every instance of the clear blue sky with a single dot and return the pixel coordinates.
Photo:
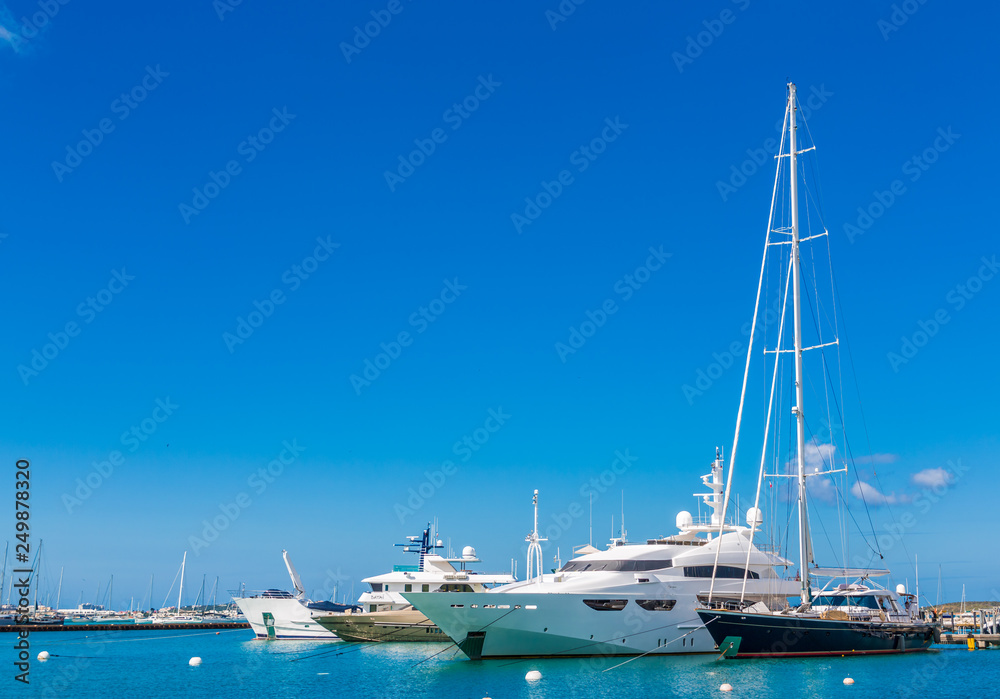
(227, 147)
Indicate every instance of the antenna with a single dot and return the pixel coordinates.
(591, 542)
(624, 532)
(534, 547)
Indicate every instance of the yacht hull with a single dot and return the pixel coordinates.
(281, 618)
(747, 635)
(407, 625)
(538, 625)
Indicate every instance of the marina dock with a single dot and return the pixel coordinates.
(127, 627)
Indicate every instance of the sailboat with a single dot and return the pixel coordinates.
(843, 618)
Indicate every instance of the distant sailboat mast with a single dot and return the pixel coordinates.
(181, 590)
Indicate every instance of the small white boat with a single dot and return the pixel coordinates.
(277, 614)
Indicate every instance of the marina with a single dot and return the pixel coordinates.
(400, 350)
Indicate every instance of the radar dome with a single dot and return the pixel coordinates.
(684, 519)
(754, 517)
(440, 544)
(468, 552)
(901, 589)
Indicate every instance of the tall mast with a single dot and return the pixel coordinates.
(181, 590)
(3, 571)
(59, 591)
(798, 410)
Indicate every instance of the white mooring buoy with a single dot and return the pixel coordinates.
(195, 661)
(533, 676)
(43, 656)
(848, 680)
(726, 688)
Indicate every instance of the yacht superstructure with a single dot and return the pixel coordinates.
(629, 599)
(387, 616)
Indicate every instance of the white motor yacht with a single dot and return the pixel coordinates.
(630, 599)
(387, 616)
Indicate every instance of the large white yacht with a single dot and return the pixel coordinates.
(629, 599)
(386, 616)
(277, 614)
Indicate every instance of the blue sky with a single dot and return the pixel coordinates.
(223, 212)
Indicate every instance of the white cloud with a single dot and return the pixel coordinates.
(932, 477)
(878, 459)
(818, 458)
(871, 495)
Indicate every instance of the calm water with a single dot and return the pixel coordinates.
(114, 665)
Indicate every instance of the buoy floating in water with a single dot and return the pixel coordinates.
(726, 688)
(533, 676)
(195, 661)
(43, 656)
(848, 680)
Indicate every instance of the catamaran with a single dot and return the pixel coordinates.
(853, 617)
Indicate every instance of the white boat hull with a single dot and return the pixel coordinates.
(547, 624)
(281, 618)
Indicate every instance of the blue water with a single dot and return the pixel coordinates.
(114, 665)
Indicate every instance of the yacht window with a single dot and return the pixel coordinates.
(454, 588)
(656, 605)
(407, 587)
(606, 605)
(376, 587)
(627, 566)
(721, 572)
(846, 601)
(425, 588)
